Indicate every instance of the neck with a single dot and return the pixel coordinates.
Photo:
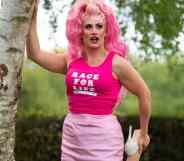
(94, 56)
(96, 53)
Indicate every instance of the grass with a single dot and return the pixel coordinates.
(43, 93)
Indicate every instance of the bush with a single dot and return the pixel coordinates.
(38, 139)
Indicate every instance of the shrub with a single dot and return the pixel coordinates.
(38, 139)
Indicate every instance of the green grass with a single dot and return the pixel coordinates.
(167, 92)
(43, 93)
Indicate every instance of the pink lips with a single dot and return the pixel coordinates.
(94, 39)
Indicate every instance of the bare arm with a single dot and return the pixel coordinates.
(51, 61)
(130, 78)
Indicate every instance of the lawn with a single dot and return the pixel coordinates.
(43, 93)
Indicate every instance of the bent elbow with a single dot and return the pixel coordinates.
(147, 99)
(148, 94)
(145, 93)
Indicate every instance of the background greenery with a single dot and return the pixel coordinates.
(158, 24)
(43, 105)
(38, 139)
(43, 93)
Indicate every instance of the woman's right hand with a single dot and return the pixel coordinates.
(34, 9)
(32, 42)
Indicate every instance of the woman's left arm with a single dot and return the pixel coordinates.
(131, 79)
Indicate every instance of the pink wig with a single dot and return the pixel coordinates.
(113, 43)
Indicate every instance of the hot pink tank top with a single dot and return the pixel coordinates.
(92, 90)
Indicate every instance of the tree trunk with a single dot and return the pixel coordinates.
(14, 23)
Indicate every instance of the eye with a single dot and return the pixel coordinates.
(88, 26)
(99, 26)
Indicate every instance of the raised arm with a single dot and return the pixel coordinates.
(51, 61)
(130, 78)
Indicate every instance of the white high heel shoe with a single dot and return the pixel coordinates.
(131, 145)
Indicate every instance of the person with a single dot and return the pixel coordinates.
(95, 69)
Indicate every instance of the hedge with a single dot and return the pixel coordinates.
(39, 139)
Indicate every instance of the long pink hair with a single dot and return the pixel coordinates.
(113, 42)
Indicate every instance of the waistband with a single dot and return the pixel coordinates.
(90, 118)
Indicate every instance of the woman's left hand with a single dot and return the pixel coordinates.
(143, 142)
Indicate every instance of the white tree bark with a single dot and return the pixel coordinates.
(14, 22)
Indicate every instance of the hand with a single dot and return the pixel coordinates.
(35, 9)
(143, 142)
(134, 157)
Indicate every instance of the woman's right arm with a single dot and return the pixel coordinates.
(50, 61)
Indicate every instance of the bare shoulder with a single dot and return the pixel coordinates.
(128, 76)
(64, 56)
(117, 59)
(119, 64)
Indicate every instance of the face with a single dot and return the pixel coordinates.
(94, 30)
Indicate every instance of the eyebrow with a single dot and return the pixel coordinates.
(100, 23)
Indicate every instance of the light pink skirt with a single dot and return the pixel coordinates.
(91, 138)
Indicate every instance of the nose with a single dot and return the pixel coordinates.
(94, 31)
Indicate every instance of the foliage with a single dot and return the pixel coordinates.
(50, 5)
(175, 65)
(39, 139)
(43, 93)
(43, 104)
(167, 90)
(159, 22)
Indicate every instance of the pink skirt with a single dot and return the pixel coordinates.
(91, 138)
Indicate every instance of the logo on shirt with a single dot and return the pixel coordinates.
(83, 83)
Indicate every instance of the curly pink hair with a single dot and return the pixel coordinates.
(113, 43)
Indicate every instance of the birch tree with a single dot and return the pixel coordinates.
(14, 24)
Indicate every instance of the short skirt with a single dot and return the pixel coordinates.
(89, 137)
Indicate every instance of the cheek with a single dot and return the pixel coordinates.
(85, 35)
(83, 32)
(85, 38)
(103, 34)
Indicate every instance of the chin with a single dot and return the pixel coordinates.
(94, 46)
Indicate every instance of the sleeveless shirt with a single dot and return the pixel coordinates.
(92, 89)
